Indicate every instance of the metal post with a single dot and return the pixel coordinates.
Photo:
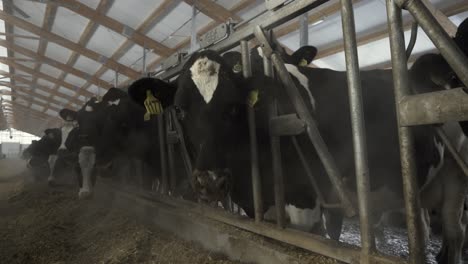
(304, 30)
(144, 61)
(193, 39)
(449, 50)
(256, 181)
(402, 88)
(358, 129)
(276, 156)
(162, 153)
(116, 79)
(312, 129)
(170, 152)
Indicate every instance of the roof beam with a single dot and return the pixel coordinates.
(44, 76)
(115, 25)
(89, 31)
(30, 92)
(108, 62)
(54, 63)
(235, 9)
(49, 19)
(383, 32)
(46, 89)
(213, 10)
(159, 14)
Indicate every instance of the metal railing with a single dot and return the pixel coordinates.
(450, 105)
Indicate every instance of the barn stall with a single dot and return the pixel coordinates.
(59, 54)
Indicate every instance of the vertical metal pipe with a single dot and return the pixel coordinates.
(162, 153)
(144, 61)
(451, 52)
(170, 151)
(358, 129)
(116, 79)
(276, 155)
(402, 88)
(304, 30)
(193, 37)
(312, 129)
(256, 180)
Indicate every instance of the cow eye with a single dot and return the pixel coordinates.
(180, 113)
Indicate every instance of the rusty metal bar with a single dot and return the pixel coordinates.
(402, 88)
(433, 108)
(358, 128)
(276, 154)
(162, 153)
(447, 47)
(170, 153)
(182, 146)
(256, 180)
(312, 129)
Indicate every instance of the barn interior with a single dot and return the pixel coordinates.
(60, 54)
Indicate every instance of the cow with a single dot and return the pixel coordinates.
(215, 123)
(39, 152)
(162, 93)
(62, 158)
(213, 102)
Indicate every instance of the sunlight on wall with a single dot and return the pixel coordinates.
(18, 136)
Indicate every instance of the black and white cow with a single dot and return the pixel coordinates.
(62, 158)
(39, 152)
(213, 100)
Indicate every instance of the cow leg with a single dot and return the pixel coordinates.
(52, 160)
(453, 218)
(87, 161)
(308, 220)
(138, 172)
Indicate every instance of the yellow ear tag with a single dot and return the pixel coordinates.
(237, 68)
(153, 105)
(252, 98)
(303, 63)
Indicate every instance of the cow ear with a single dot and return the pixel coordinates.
(304, 56)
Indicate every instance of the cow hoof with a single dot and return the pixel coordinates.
(82, 195)
(51, 183)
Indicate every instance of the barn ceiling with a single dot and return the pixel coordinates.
(59, 53)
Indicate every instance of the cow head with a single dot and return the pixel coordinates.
(214, 108)
(89, 119)
(301, 57)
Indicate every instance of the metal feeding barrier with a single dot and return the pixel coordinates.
(450, 106)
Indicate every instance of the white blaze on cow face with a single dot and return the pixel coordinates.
(260, 52)
(66, 129)
(205, 76)
(88, 108)
(304, 219)
(115, 102)
(303, 80)
(87, 160)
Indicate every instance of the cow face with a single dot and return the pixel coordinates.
(431, 72)
(90, 119)
(213, 106)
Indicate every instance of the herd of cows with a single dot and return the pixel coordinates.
(110, 138)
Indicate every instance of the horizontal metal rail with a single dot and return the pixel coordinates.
(433, 108)
(314, 243)
(267, 21)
